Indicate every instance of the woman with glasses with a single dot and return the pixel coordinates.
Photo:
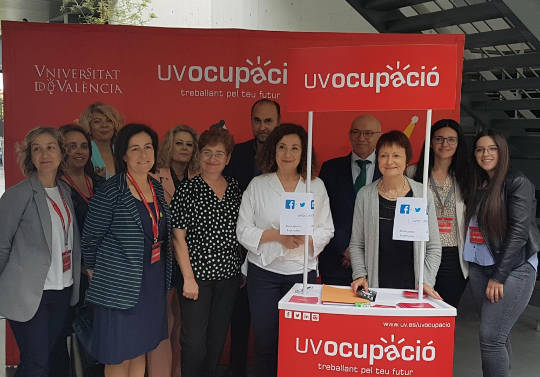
(204, 212)
(102, 122)
(448, 181)
(276, 261)
(501, 246)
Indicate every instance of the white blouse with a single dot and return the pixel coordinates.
(57, 278)
(260, 210)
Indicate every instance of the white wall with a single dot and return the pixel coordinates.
(285, 15)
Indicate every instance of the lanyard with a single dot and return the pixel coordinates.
(72, 183)
(59, 213)
(436, 191)
(155, 229)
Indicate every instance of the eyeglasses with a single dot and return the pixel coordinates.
(452, 140)
(207, 154)
(492, 149)
(366, 134)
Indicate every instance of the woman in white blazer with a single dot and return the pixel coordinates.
(377, 260)
(39, 252)
(275, 261)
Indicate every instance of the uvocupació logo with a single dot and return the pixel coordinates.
(83, 80)
(390, 349)
(256, 73)
(392, 77)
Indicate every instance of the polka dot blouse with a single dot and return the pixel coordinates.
(210, 225)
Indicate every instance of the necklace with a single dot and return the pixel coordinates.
(393, 194)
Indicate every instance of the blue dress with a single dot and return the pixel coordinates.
(120, 335)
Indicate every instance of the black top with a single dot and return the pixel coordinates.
(242, 165)
(210, 226)
(79, 204)
(177, 181)
(396, 258)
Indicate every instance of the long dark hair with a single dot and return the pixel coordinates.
(460, 160)
(487, 195)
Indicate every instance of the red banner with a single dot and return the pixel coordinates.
(387, 77)
(169, 76)
(321, 344)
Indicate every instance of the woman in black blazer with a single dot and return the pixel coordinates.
(125, 246)
(39, 252)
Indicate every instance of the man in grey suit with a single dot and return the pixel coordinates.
(343, 177)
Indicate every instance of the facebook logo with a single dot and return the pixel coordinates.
(405, 209)
(313, 204)
(289, 204)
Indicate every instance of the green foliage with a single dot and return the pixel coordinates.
(124, 12)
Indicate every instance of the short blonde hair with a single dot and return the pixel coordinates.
(24, 148)
(166, 148)
(100, 108)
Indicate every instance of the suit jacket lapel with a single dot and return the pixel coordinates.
(348, 183)
(43, 209)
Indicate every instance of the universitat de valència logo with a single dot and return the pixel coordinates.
(76, 80)
(253, 71)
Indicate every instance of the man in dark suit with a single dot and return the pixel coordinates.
(265, 116)
(343, 177)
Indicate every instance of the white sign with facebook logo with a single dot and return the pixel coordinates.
(411, 220)
(296, 215)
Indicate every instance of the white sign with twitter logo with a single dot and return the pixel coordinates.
(297, 212)
(411, 220)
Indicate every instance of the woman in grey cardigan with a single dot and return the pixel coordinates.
(375, 257)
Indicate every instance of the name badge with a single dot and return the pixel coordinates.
(445, 224)
(156, 252)
(66, 260)
(476, 235)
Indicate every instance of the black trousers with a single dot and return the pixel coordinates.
(205, 323)
(37, 337)
(240, 325)
(265, 289)
(450, 282)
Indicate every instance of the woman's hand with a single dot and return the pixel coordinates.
(360, 282)
(291, 242)
(191, 289)
(90, 273)
(494, 291)
(431, 292)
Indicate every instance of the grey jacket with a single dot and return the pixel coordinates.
(364, 244)
(25, 248)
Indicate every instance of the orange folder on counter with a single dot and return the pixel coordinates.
(335, 295)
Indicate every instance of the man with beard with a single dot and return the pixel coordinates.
(265, 116)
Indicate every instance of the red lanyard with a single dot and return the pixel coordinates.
(72, 183)
(155, 229)
(57, 210)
